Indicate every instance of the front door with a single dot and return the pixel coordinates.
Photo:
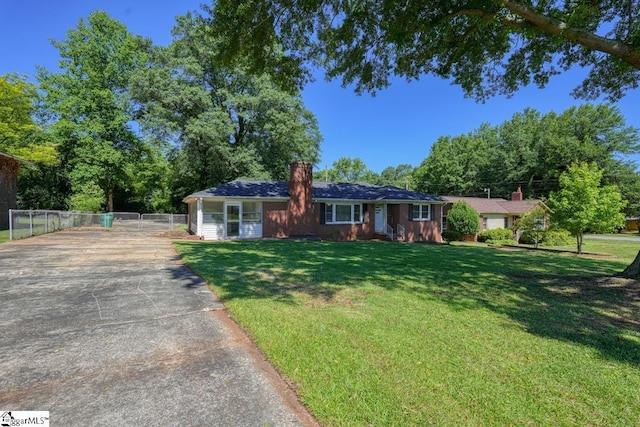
(379, 220)
(233, 220)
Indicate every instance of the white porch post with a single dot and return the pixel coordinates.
(199, 220)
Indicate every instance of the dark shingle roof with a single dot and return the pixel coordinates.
(369, 192)
(321, 191)
(246, 189)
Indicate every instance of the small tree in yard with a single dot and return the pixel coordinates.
(462, 220)
(533, 224)
(583, 204)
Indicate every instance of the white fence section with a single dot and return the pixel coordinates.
(27, 223)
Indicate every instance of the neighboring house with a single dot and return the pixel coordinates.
(9, 168)
(260, 209)
(496, 213)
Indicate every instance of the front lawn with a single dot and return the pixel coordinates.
(374, 333)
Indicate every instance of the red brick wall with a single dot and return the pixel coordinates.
(419, 231)
(274, 219)
(276, 224)
(363, 231)
(299, 207)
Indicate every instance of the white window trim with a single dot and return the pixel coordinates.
(422, 207)
(333, 213)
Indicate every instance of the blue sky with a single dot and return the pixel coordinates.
(396, 126)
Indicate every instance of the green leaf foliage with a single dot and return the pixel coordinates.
(533, 224)
(19, 134)
(89, 198)
(463, 219)
(532, 150)
(583, 204)
(454, 164)
(399, 176)
(223, 122)
(496, 235)
(89, 106)
(486, 47)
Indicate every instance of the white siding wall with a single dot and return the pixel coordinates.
(495, 221)
(212, 231)
(250, 230)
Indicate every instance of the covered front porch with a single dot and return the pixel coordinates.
(408, 222)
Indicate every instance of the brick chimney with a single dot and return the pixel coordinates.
(516, 196)
(300, 205)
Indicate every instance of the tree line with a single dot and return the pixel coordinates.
(126, 125)
(530, 151)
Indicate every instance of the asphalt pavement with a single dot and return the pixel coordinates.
(103, 328)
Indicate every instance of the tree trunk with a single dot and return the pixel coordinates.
(579, 242)
(110, 201)
(633, 270)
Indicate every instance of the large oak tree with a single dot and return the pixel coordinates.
(223, 122)
(485, 46)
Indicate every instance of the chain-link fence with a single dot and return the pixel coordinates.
(158, 222)
(27, 223)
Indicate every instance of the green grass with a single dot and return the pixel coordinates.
(399, 334)
(4, 236)
(625, 251)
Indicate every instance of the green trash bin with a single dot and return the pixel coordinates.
(106, 220)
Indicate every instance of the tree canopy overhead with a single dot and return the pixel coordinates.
(487, 47)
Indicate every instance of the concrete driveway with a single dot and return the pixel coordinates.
(102, 328)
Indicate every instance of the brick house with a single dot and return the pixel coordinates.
(9, 168)
(244, 209)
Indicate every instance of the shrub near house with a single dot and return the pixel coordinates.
(462, 221)
(496, 235)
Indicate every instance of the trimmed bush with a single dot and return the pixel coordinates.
(463, 219)
(496, 235)
(451, 236)
(526, 238)
(557, 238)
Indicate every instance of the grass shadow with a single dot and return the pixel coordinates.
(560, 297)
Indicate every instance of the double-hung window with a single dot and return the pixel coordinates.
(252, 212)
(213, 212)
(420, 212)
(343, 213)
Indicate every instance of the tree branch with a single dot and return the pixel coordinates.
(557, 27)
